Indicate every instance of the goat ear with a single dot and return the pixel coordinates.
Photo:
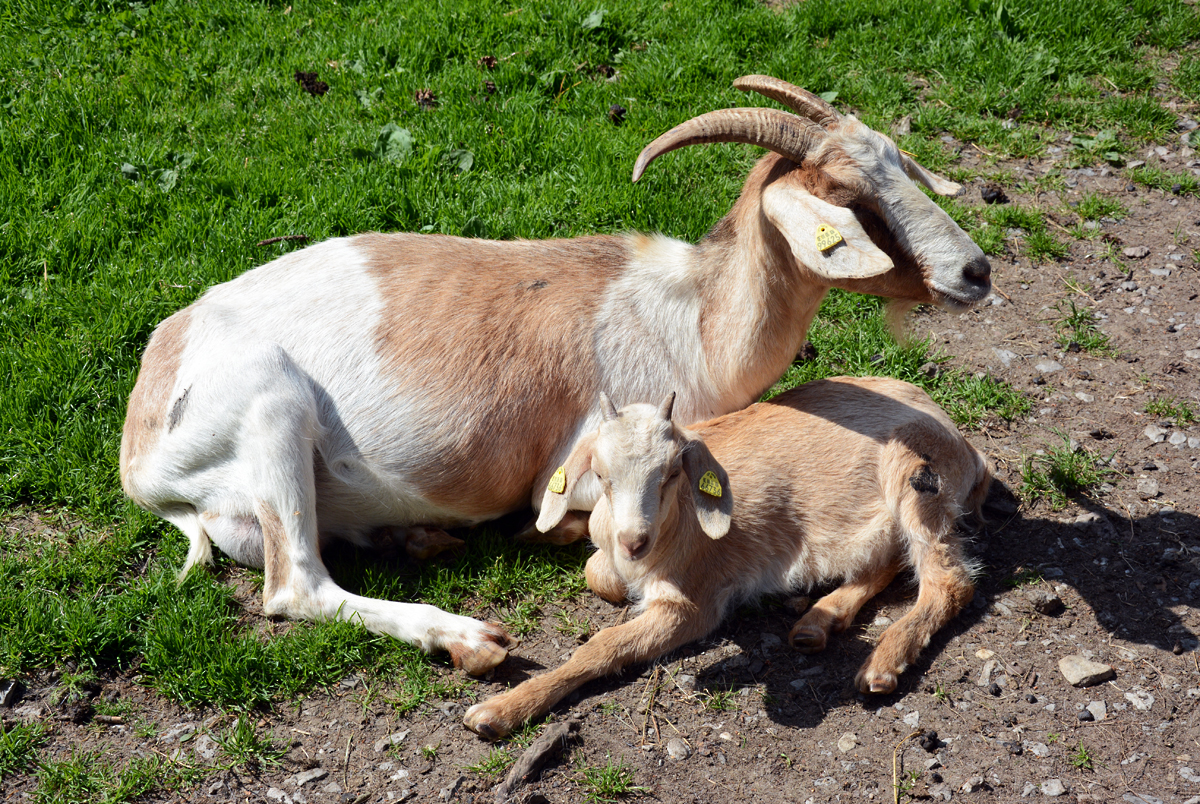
(933, 181)
(808, 223)
(710, 488)
(557, 497)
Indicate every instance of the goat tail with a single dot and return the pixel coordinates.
(199, 545)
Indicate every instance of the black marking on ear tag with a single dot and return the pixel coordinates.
(926, 481)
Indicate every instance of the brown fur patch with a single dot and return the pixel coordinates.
(277, 566)
(519, 324)
(148, 413)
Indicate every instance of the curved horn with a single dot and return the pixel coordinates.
(798, 100)
(783, 133)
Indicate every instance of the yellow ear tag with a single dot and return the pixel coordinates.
(558, 481)
(827, 237)
(710, 485)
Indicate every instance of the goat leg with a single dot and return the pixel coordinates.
(945, 588)
(834, 612)
(603, 579)
(663, 627)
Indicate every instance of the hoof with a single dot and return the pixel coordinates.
(493, 647)
(484, 723)
(425, 543)
(876, 683)
(807, 639)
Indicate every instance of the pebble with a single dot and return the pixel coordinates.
(1137, 252)
(1147, 488)
(1045, 602)
(1155, 433)
(1140, 699)
(769, 642)
(1189, 775)
(1160, 272)
(972, 784)
(205, 747)
(847, 742)
(1085, 398)
(392, 739)
(725, 736)
(1177, 439)
(1053, 787)
(1031, 698)
(912, 719)
(309, 776)
(1039, 749)
(678, 749)
(940, 792)
(332, 787)
(1048, 366)
(1098, 709)
(1081, 672)
(275, 794)
(686, 681)
(1085, 716)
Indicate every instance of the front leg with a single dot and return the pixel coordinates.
(602, 578)
(664, 626)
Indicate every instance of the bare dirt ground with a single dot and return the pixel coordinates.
(751, 720)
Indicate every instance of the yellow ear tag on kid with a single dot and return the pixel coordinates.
(827, 237)
(710, 485)
(558, 481)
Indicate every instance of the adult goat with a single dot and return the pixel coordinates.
(421, 381)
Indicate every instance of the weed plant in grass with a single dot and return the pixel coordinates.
(1077, 330)
(607, 782)
(1060, 473)
(1168, 407)
(1165, 180)
(86, 778)
(495, 764)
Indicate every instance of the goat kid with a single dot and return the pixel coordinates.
(851, 479)
(404, 383)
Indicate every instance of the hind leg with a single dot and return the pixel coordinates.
(244, 448)
(834, 612)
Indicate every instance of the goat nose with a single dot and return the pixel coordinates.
(634, 544)
(978, 270)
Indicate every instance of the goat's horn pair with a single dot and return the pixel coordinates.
(786, 134)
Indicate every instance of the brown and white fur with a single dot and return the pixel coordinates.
(842, 479)
(410, 381)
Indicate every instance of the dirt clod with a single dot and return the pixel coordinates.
(310, 83)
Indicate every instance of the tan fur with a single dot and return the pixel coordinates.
(548, 292)
(848, 478)
(277, 567)
(150, 402)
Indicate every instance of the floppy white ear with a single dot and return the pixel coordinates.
(917, 172)
(557, 496)
(808, 223)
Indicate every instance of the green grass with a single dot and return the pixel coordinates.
(18, 747)
(1165, 180)
(1081, 758)
(145, 148)
(1168, 407)
(1062, 472)
(1092, 207)
(243, 746)
(495, 764)
(86, 778)
(608, 782)
(1077, 329)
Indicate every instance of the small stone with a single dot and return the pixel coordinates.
(930, 742)
(686, 681)
(275, 794)
(1081, 672)
(984, 653)
(1013, 747)
(847, 742)
(678, 749)
(1004, 356)
(1098, 709)
(1155, 433)
(1137, 252)
(205, 747)
(912, 719)
(309, 776)
(1085, 716)
(1045, 602)
(1048, 366)
(930, 369)
(1040, 750)
(726, 736)
(972, 784)
(1147, 488)
(881, 621)
(992, 194)
(1140, 698)
(1162, 273)
(1031, 698)
(1177, 439)
(769, 642)
(994, 689)
(383, 743)
(1053, 787)
(940, 792)
(1085, 398)
(1189, 775)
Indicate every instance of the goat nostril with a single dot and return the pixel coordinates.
(635, 547)
(978, 270)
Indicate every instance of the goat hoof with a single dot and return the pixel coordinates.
(492, 649)
(480, 721)
(807, 639)
(425, 543)
(877, 683)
